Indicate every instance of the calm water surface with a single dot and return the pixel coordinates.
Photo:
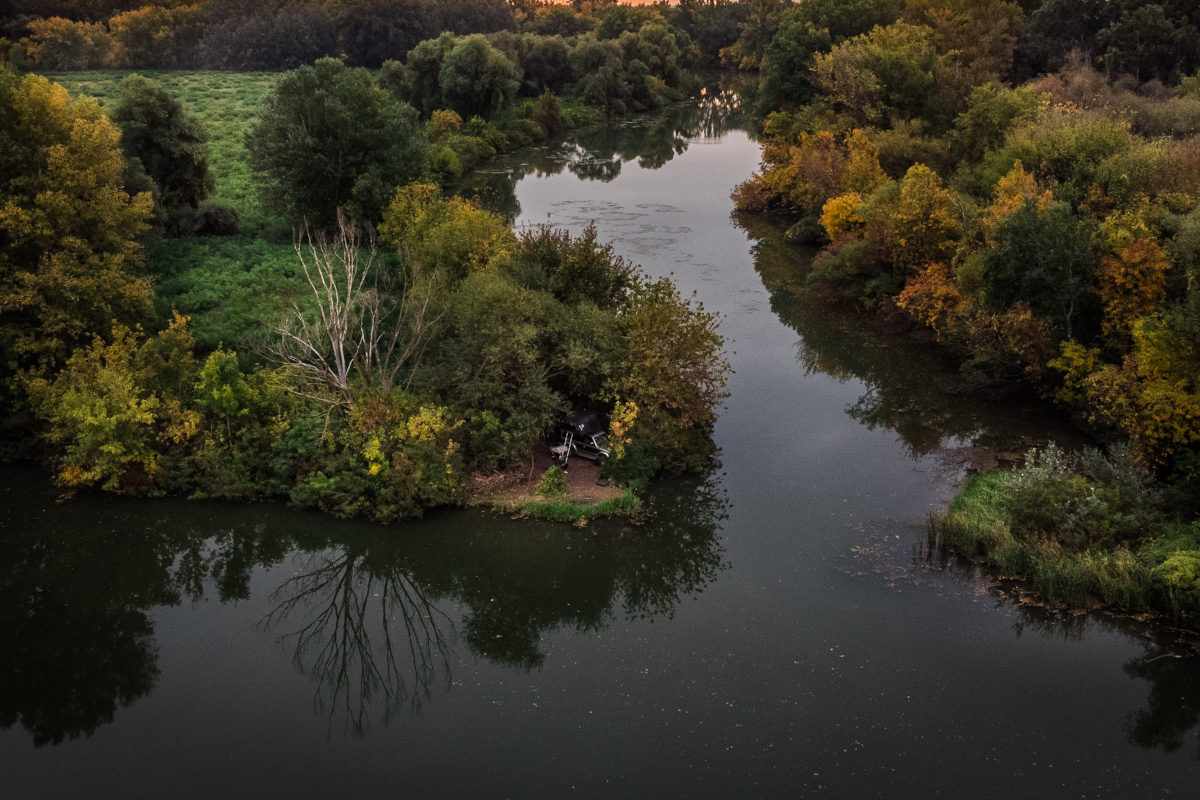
(776, 629)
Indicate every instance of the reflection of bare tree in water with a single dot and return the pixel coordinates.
(366, 631)
(357, 614)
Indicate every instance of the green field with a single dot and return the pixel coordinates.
(231, 286)
(225, 103)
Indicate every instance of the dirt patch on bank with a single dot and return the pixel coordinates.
(515, 488)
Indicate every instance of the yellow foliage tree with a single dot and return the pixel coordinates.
(1133, 284)
(57, 43)
(842, 215)
(448, 234)
(1012, 192)
(114, 409)
(926, 224)
(863, 174)
(620, 425)
(933, 298)
(1153, 396)
(806, 175)
(69, 251)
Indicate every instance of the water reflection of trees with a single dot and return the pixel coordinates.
(1173, 707)
(913, 392)
(365, 611)
(652, 140)
(910, 387)
(77, 641)
(1169, 663)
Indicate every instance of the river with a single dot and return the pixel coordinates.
(776, 628)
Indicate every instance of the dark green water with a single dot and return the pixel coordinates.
(774, 630)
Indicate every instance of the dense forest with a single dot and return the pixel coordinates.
(284, 34)
(303, 310)
(1021, 180)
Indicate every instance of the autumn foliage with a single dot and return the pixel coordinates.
(1048, 233)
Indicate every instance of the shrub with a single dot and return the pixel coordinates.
(553, 483)
(1179, 578)
(636, 466)
(215, 219)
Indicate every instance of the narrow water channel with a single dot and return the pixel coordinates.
(774, 630)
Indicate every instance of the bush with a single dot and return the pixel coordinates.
(1179, 578)
(1080, 529)
(215, 219)
(548, 114)
(634, 468)
(553, 483)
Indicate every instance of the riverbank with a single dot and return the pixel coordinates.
(581, 494)
(1085, 531)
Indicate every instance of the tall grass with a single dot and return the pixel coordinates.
(569, 511)
(1082, 531)
(234, 288)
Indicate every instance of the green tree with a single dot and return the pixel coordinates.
(887, 72)
(169, 144)
(422, 73)
(1057, 27)
(328, 135)
(494, 365)
(476, 79)
(712, 24)
(674, 372)
(992, 111)
(975, 38)
(573, 269)
(69, 252)
(554, 20)
(372, 31)
(103, 410)
(546, 62)
(603, 80)
(812, 27)
(656, 46)
(1043, 259)
(756, 32)
(268, 36)
(1147, 42)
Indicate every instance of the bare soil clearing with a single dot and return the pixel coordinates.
(515, 488)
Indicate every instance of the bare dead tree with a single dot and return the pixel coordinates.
(397, 323)
(365, 324)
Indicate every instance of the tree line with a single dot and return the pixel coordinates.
(1044, 229)
(1145, 40)
(284, 34)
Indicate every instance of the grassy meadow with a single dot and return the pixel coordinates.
(225, 103)
(233, 286)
